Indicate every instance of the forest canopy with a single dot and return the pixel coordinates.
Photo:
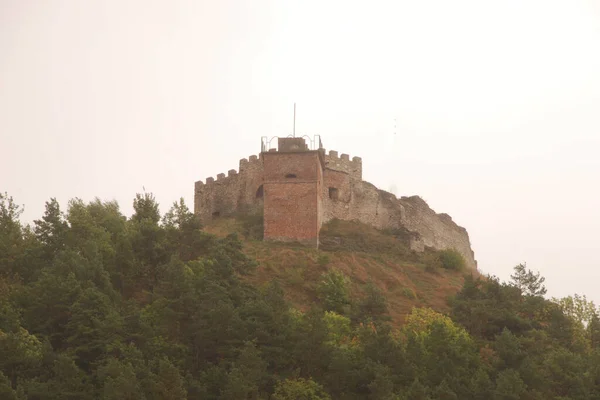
(96, 305)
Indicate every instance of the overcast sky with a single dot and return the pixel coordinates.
(497, 106)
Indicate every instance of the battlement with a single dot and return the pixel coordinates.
(251, 162)
(343, 163)
(221, 178)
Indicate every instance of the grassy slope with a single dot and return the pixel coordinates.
(362, 253)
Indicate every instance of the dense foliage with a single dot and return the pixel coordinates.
(94, 305)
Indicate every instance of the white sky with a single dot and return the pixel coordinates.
(497, 106)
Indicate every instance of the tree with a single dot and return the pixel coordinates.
(373, 306)
(509, 386)
(51, 229)
(246, 376)
(333, 291)
(93, 328)
(299, 389)
(508, 349)
(119, 381)
(180, 217)
(148, 241)
(11, 233)
(66, 381)
(437, 349)
(530, 283)
(168, 384)
(339, 328)
(577, 307)
(481, 386)
(145, 208)
(594, 331)
(6, 391)
(184, 233)
(416, 391)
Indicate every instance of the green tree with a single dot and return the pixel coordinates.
(481, 386)
(594, 331)
(65, 381)
(530, 283)
(247, 375)
(416, 391)
(333, 292)
(6, 390)
(11, 234)
(119, 381)
(52, 228)
(509, 386)
(299, 389)
(94, 327)
(373, 306)
(577, 307)
(508, 349)
(168, 383)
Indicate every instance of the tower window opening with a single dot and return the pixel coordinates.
(216, 214)
(291, 176)
(333, 193)
(260, 192)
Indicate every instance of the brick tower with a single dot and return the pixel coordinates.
(293, 179)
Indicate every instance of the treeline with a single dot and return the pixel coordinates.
(94, 305)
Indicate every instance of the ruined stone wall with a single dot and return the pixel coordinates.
(436, 230)
(358, 200)
(228, 195)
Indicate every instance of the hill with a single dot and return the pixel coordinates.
(362, 253)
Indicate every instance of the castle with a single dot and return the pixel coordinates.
(298, 187)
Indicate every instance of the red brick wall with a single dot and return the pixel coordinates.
(291, 205)
(302, 164)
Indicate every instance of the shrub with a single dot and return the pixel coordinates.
(252, 226)
(333, 291)
(323, 259)
(452, 260)
(432, 268)
(409, 293)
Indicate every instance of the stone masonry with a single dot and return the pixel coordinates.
(297, 190)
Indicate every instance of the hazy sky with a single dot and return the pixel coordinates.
(497, 106)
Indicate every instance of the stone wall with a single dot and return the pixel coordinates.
(228, 195)
(359, 200)
(436, 230)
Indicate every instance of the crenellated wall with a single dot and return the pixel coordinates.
(342, 195)
(343, 163)
(228, 195)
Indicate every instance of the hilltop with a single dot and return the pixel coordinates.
(297, 187)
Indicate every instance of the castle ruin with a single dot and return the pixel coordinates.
(298, 187)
